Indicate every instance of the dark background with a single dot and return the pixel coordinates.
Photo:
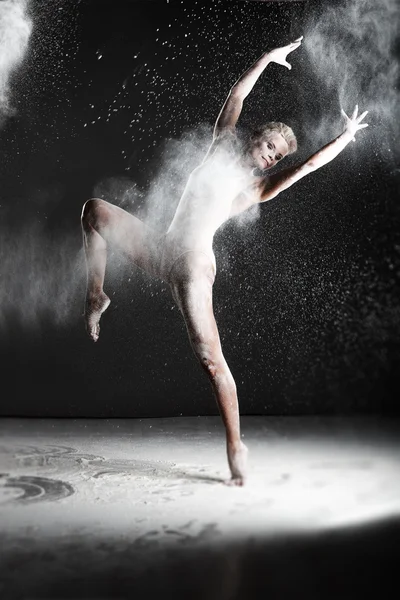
(307, 294)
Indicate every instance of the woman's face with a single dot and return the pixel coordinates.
(266, 153)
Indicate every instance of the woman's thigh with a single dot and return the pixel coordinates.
(190, 266)
(125, 232)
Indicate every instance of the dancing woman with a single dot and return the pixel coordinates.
(232, 178)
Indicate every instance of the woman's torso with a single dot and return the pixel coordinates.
(207, 198)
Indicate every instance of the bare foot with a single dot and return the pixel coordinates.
(237, 459)
(94, 308)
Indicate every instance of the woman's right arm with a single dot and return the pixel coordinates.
(233, 104)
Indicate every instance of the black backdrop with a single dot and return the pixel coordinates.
(306, 296)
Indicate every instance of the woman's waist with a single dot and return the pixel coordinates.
(174, 247)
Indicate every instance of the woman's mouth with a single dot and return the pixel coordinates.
(266, 163)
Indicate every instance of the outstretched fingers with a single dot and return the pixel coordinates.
(353, 123)
(360, 118)
(354, 116)
(290, 48)
(278, 55)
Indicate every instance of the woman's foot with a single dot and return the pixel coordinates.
(95, 305)
(237, 459)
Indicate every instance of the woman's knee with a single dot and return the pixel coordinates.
(210, 365)
(217, 371)
(94, 212)
(209, 357)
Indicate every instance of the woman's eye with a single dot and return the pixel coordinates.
(269, 145)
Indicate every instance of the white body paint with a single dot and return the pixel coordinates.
(206, 202)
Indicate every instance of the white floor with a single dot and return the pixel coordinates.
(157, 485)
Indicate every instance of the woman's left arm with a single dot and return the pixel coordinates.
(281, 181)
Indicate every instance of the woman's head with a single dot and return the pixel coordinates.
(268, 144)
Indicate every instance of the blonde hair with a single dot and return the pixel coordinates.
(261, 133)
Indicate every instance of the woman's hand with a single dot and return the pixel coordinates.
(353, 122)
(278, 55)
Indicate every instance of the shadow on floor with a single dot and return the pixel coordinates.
(349, 564)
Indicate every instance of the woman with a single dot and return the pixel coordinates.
(230, 179)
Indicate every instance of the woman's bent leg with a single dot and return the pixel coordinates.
(104, 224)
